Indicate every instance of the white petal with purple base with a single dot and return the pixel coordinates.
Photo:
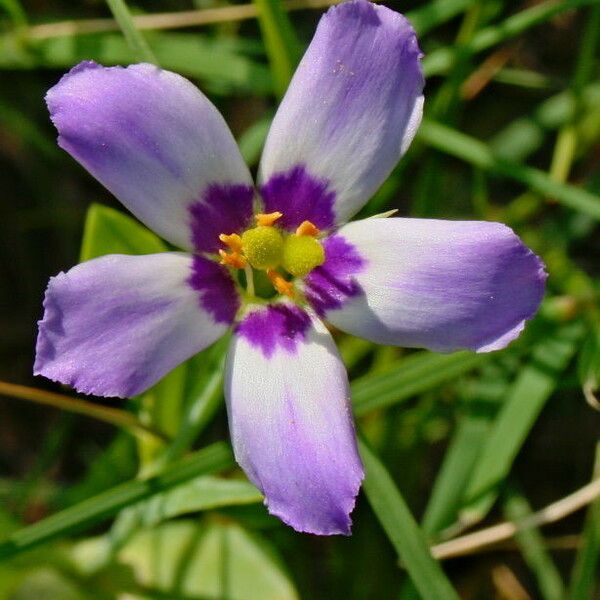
(442, 285)
(290, 420)
(351, 110)
(115, 325)
(152, 138)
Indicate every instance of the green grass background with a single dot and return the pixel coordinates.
(141, 499)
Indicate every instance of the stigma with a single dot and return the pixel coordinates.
(268, 248)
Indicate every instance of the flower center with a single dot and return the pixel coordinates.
(268, 248)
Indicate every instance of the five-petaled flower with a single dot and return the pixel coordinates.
(272, 262)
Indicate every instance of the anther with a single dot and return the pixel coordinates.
(233, 259)
(307, 228)
(267, 219)
(280, 284)
(233, 241)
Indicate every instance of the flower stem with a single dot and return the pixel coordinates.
(115, 416)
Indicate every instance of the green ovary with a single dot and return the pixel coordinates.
(301, 254)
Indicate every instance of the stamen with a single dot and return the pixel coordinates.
(307, 228)
(233, 241)
(280, 284)
(233, 259)
(249, 280)
(267, 219)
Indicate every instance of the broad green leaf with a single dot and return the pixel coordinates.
(413, 375)
(525, 399)
(403, 531)
(108, 231)
(202, 493)
(533, 549)
(46, 584)
(212, 559)
(94, 510)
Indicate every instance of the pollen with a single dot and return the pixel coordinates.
(301, 254)
(262, 246)
(280, 284)
(268, 219)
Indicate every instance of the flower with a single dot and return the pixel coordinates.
(272, 263)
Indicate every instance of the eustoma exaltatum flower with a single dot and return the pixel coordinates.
(272, 262)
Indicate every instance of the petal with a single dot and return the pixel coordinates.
(350, 112)
(152, 138)
(442, 285)
(115, 325)
(290, 420)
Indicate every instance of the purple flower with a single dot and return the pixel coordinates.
(272, 263)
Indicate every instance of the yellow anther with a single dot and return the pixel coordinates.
(232, 259)
(233, 241)
(267, 219)
(307, 228)
(280, 284)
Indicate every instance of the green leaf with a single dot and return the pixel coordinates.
(134, 37)
(16, 12)
(484, 397)
(584, 578)
(251, 142)
(89, 512)
(108, 231)
(281, 43)
(533, 549)
(441, 60)
(436, 12)
(523, 136)
(524, 402)
(413, 375)
(588, 366)
(479, 154)
(202, 493)
(46, 583)
(221, 64)
(214, 559)
(403, 531)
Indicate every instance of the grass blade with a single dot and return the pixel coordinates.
(281, 43)
(135, 39)
(403, 531)
(526, 398)
(440, 61)
(584, 579)
(89, 512)
(415, 374)
(531, 542)
(463, 451)
(479, 154)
